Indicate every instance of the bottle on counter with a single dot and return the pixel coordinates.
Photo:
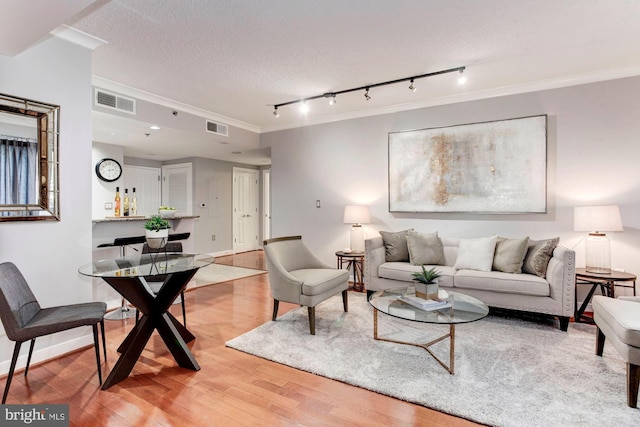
(125, 211)
(133, 208)
(116, 205)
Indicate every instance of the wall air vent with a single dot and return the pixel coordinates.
(116, 102)
(217, 128)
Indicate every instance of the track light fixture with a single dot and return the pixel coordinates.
(332, 95)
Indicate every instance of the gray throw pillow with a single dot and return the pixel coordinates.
(509, 254)
(425, 248)
(538, 256)
(395, 246)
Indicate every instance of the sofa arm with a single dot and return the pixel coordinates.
(374, 256)
(561, 275)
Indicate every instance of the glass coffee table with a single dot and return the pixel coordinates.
(459, 308)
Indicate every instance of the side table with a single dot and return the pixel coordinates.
(607, 284)
(354, 262)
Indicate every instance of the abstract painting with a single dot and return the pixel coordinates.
(490, 167)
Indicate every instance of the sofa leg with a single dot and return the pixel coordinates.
(599, 342)
(564, 323)
(312, 320)
(345, 301)
(633, 382)
(276, 303)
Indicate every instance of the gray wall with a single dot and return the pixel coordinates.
(592, 160)
(49, 253)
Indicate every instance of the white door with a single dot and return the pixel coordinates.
(177, 187)
(266, 204)
(245, 210)
(146, 181)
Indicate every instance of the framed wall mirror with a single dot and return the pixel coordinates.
(29, 165)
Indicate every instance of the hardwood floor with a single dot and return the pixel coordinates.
(231, 389)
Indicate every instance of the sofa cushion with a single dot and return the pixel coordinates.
(538, 255)
(476, 254)
(395, 245)
(496, 281)
(509, 254)
(425, 248)
(404, 271)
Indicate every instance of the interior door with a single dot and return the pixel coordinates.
(245, 210)
(146, 181)
(266, 204)
(177, 188)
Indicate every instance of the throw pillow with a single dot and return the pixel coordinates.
(395, 246)
(425, 248)
(510, 254)
(538, 256)
(476, 254)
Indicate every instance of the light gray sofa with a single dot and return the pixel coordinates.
(552, 294)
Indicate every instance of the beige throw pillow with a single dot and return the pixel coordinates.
(476, 254)
(509, 254)
(395, 246)
(538, 256)
(425, 248)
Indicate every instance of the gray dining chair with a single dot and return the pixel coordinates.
(155, 282)
(298, 277)
(23, 318)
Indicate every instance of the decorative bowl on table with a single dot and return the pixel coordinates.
(166, 212)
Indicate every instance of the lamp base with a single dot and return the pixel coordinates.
(598, 253)
(357, 239)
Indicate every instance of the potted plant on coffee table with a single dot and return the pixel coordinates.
(157, 232)
(427, 283)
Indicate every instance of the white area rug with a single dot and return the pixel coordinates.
(508, 372)
(217, 273)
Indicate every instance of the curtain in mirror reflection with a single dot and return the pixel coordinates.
(18, 171)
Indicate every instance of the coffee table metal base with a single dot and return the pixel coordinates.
(452, 340)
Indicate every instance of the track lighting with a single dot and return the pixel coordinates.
(462, 79)
(304, 108)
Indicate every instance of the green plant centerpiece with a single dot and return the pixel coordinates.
(157, 233)
(427, 283)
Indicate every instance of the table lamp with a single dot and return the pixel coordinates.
(597, 246)
(356, 215)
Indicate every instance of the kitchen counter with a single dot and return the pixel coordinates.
(140, 218)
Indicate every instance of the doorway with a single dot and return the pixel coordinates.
(245, 210)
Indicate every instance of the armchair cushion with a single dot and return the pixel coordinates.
(316, 281)
(622, 316)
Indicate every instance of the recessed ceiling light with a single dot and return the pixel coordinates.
(154, 127)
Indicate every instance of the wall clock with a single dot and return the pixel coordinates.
(108, 170)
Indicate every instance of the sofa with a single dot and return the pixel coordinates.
(515, 274)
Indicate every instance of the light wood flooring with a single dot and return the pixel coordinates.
(231, 389)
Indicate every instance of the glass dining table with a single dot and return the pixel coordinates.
(128, 276)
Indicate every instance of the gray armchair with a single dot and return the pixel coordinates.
(23, 318)
(619, 320)
(298, 277)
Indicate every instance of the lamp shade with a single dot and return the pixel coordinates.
(356, 214)
(597, 218)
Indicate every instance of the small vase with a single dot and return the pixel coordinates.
(427, 291)
(157, 239)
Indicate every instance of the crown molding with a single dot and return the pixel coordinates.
(170, 103)
(78, 37)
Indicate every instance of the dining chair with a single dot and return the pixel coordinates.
(297, 276)
(155, 282)
(23, 318)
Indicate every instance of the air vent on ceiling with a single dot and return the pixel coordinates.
(217, 128)
(116, 102)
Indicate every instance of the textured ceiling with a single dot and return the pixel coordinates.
(233, 59)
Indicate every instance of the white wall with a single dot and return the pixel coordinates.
(104, 191)
(593, 152)
(49, 253)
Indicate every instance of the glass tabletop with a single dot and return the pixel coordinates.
(458, 308)
(151, 264)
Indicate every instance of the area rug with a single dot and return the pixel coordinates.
(508, 372)
(217, 273)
